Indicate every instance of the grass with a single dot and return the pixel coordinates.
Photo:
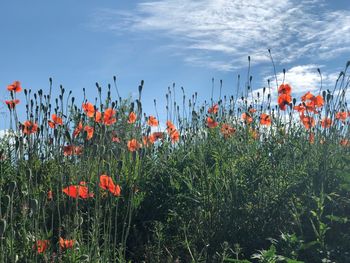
(239, 180)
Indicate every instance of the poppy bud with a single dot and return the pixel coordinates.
(6, 201)
(12, 186)
(2, 227)
(33, 205)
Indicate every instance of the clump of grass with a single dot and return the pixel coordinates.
(237, 180)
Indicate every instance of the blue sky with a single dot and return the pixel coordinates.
(188, 42)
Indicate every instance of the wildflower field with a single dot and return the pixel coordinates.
(258, 177)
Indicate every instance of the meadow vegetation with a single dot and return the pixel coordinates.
(241, 178)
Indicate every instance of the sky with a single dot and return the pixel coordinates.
(187, 42)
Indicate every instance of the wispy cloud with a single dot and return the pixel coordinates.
(222, 33)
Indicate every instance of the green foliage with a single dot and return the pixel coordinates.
(211, 196)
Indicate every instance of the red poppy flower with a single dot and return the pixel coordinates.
(155, 136)
(341, 116)
(284, 100)
(211, 123)
(252, 110)
(284, 89)
(308, 121)
(109, 117)
(214, 109)
(78, 129)
(170, 126)
(246, 117)
(49, 195)
(29, 127)
(265, 119)
(106, 183)
(76, 191)
(89, 109)
(300, 108)
(98, 116)
(318, 101)
(72, 150)
(115, 139)
(312, 138)
(174, 136)
(133, 145)
(41, 245)
(89, 131)
(15, 87)
(344, 142)
(307, 96)
(11, 103)
(132, 117)
(152, 121)
(66, 243)
(55, 121)
(326, 122)
(227, 130)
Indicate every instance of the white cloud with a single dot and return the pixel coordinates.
(221, 33)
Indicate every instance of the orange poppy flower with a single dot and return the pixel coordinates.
(132, 117)
(146, 141)
(211, 123)
(284, 89)
(11, 103)
(318, 101)
(326, 122)
(152, 121)
(312, 138)
(284, 100)
(170, 126)
(66, 243)
(214, 109)
(307, 96)
(55, 121)
(98, 116)
(89, 109)
(133, 145)
(227, 130)
(308, 121)
(29, 127)
(265, 119)
(344, 142)
(89, 131)
(49, 195)
(252, 110)
(15, 87)
(41, 245)
(341, 116)
(155, 136)
(247, 118)
(106, 183)
(109, 117)
(76, 191)
(174, 136)
(72, 150)
(115, 139)
(300, 108)
(78, 129)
